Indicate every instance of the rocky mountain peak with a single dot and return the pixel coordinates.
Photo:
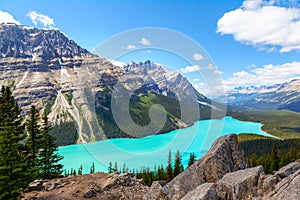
(17, 41)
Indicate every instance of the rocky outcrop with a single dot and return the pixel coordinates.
(225, 155)
(252, 183)
(223, 174)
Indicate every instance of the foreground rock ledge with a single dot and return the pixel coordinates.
(221, 174)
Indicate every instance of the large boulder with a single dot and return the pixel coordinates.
(241, 184)
(225, 155)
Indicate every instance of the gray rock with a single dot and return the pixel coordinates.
(49, 186)
(88, 194)
(206, 191)
(288, 169)
(36, 185)
(240, 184)
(225, 155)
(287, 188)
(154, 192)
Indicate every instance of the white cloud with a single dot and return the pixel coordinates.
(266, 75)
(216, 71)
(189, 69)
(262, 23)
(197, 57)
(196, 80)
(130, 46)
(145, 41)
(6, 17)
(40, 18)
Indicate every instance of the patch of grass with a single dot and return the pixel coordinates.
(69, 97)
(49, 105)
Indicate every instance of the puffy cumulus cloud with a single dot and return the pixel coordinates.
(130, 46)
(198, 57)
(266, 75)
(145, 41)
(36, 18)
(263, 24)
(189, 69)
(6, 17)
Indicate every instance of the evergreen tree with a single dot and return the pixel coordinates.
(274, 160)
(92, 170)
(80, 170)
(48, 158)
(191, 159)
(34, 135)
(178, 167)
(116, 167)
(110, 167)
(169, 170)
(14, 173)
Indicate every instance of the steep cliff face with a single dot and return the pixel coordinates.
(52, 72)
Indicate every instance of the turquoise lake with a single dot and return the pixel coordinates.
(153, 150)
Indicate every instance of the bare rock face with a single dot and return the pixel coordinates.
(225, 155)
(206, 191)
(287, 184)
(240, 184)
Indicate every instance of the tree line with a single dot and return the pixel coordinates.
(274, 160)
(27, 150)
(159, 172)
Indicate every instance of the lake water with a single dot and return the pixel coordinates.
(153, 150)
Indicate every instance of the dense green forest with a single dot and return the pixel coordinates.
(27, 150)
(281, 123)
(139, 112)
(270, 152)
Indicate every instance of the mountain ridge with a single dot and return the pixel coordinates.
(274, 97)
(73, 86)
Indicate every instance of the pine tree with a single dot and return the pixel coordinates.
(48, 158)
(116, 167)
(34, 135)
(92, 170)
(110, 168)
(80, 170)
(178, 167)
(191, 159)
(14, 173)
(169, 170)
(274, 160)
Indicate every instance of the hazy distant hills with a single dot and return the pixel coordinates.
(275, 97)
(73, 86)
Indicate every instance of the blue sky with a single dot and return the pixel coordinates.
(251, 41)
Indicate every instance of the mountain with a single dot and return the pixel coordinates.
(75, 88)
(275, 97)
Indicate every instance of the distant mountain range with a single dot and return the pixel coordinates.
(275, 97)
(74, 87)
